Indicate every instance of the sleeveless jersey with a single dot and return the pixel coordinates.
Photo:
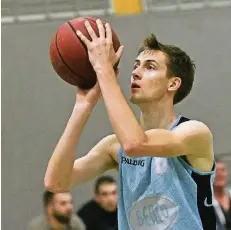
(157, 193)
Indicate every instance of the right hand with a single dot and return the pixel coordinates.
(90, 97)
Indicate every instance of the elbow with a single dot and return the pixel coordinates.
(132, 149)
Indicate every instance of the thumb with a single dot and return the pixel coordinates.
(119, 52)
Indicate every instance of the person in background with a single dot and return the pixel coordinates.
(222, 194)
(100, 213)
(58, 214)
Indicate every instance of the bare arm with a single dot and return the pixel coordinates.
(192, 139)
(101, 158)
(189, 138)
(59, 170)
(64, 171)
(62, 168)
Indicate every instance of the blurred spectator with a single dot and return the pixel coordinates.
(58, 214)
(101, 212)
(222, 203)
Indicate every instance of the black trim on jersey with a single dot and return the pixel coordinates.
(204, 194)
(183, 119)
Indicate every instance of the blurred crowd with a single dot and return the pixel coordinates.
(100, 213)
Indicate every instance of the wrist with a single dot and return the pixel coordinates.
(106, 71)
(84, 107)
(103, 68)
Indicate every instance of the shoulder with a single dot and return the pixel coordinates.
(89, 209)
(197, 141)
(111, 145)
(77, 222)
(37, 222)
(193, 127)
(110, 139)
(87, 206)
(195, 138)
(194, 131)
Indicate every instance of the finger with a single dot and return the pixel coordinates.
(83, 38)
(90, 30)
(119, 52)
(108, 32)
(100, 28)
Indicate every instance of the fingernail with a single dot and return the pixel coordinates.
(78, 32)
(98, 20)
(86, 22)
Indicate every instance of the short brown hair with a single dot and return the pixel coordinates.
(103, 180)
(179, 65)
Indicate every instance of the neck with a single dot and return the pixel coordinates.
(157, 115)
(219, 191)
(55, 224)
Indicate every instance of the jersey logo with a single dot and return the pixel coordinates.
(206, 203)
(130, 161)
(157, 212)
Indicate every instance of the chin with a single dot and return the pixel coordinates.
(136, 100)
(111, 209)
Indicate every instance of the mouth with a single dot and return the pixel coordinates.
(135, 86)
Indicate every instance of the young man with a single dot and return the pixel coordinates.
(100, 213)
(58, 214)
(165, 163)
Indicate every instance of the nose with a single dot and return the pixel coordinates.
(136, 74)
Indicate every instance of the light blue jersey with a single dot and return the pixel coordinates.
(164, 193)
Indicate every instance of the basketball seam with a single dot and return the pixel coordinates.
(89, 19)
(84, 46)
(73, 29)
(65, 63)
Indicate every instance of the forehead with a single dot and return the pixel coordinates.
(62, 197)
(107, 187)
(155, 55)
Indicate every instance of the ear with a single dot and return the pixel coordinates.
(174, 84)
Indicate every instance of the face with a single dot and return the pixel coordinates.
(221, 175)
(149, 81)
(62, 207)
(107, 197)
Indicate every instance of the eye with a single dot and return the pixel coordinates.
(135, 66)
(151, 67)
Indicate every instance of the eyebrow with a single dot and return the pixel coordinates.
(148, 60)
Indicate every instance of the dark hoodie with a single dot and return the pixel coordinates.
(96, 218)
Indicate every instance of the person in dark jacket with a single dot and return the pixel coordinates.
(100, 213)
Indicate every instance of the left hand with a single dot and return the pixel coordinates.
(100, 49)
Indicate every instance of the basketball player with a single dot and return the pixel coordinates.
(165, 162)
